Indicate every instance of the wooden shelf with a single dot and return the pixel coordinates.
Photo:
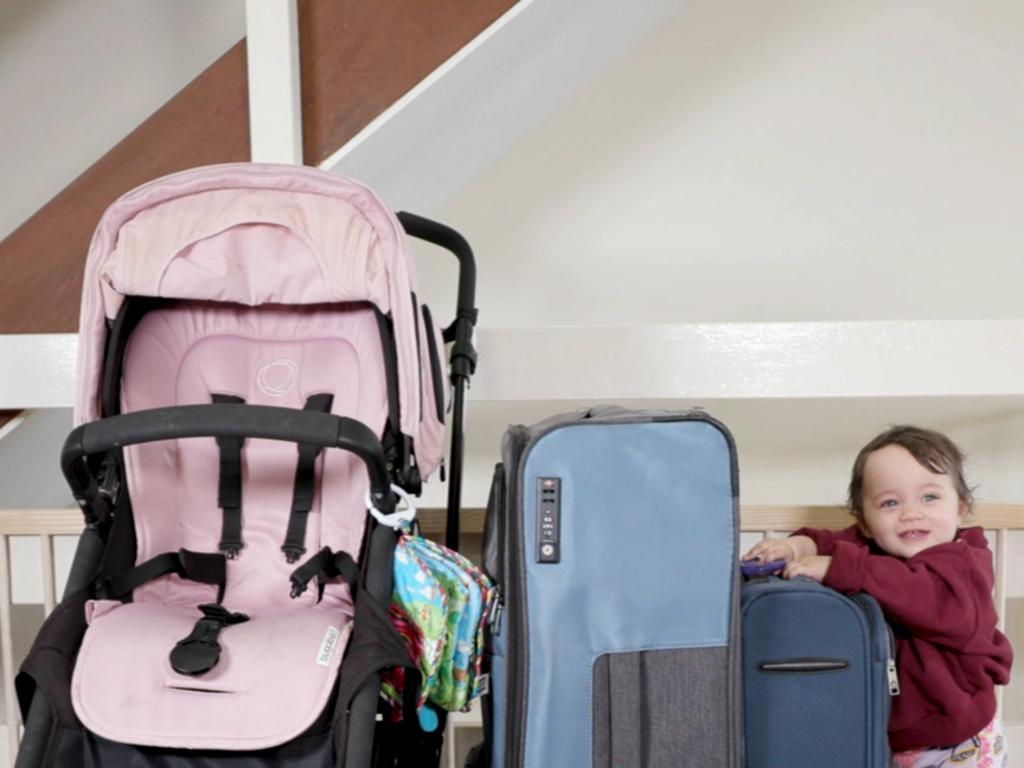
(35, 522)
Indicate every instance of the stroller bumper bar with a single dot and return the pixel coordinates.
(219, 420)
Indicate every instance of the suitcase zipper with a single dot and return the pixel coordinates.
(890, 663)
(516, 647)
(494, 620)
(891, 675)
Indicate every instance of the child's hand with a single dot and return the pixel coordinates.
(815, 566)
(793, 548)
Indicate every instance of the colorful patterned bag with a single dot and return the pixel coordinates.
(440, 604)
(419, 611)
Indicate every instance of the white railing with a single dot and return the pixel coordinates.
(48, 523)
(44, 524)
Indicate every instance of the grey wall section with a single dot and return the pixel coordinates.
(648, 539)
(30, 475)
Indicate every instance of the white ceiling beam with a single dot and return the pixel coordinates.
(685, 361)
(275, 105)
(38, 370)
(848, 359)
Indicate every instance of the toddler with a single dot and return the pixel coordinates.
(933, 580)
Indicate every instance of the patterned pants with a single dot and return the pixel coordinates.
(986, 750)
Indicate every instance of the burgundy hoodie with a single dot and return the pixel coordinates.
(949, 654)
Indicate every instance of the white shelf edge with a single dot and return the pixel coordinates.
(38, 370)
(702, 361)
(690, 361)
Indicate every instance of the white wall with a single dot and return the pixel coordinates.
(793, 160)
(76, 76)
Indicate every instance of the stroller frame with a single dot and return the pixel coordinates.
(89, 480)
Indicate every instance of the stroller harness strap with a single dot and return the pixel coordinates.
(229, 489)
(204, 567)
(305, 485)
(324, 566)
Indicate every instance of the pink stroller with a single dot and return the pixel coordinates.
(228, 602)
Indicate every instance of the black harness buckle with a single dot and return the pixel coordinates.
(199, 652)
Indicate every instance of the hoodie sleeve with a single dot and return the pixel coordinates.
(936, 595)
(826, 540)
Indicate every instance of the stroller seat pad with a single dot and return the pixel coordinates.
(275, 676)
(187, 353)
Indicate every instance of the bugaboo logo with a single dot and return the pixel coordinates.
(277, 376)
(327, 646)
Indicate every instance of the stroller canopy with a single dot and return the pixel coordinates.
(253, 235)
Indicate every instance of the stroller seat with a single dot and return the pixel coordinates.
(276, 669)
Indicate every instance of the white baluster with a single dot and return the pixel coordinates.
(49, 592)
(6, 650)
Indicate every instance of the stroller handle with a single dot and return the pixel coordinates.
(463, 352)
(224, 420)
(444, 236)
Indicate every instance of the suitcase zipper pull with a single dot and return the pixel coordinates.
(495, 618)
(894, 681)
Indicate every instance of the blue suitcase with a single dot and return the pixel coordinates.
(612, 536)
(818, 674)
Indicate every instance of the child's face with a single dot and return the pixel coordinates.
(907, 507)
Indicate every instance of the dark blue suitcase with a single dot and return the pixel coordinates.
(818, 676)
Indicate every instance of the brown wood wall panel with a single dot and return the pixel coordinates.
(206, 122)
(358, 58)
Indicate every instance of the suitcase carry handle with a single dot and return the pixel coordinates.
(803, 665)
(220, 420)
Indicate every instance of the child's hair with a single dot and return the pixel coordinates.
(933, 450)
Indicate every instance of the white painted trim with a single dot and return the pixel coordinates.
(275, 105)
(38, 370)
